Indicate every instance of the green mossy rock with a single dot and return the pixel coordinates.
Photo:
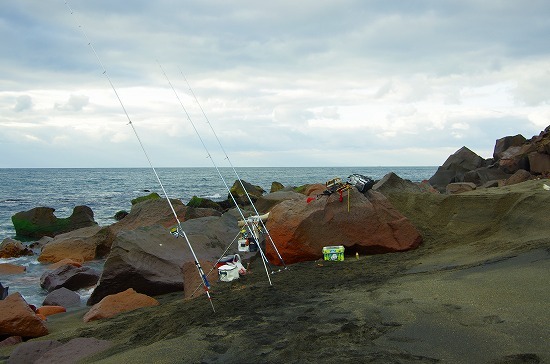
(151, 196)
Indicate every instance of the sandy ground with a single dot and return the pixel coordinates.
(476, 291)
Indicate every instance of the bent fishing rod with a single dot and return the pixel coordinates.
(235, 171)
(180, 230)
(248, 223)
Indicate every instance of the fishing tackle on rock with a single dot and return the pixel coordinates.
(179, 230)
(260, 222)
(209, 156)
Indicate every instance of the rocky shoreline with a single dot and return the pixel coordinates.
(453, 270)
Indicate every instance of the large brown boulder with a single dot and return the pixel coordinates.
(18, 319)
(158, 212)
(539, 163)
(11, 248)
(115, 304)
(300, 230)
(41, 221)
(8, 268)
(150, 259)
(70, 277)
(81, 245)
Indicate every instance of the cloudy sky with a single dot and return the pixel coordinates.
(283, 83)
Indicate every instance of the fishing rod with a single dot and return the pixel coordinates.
(248, 223)
(235, 171)
(180, 230)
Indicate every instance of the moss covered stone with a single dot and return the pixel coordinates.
(151, 196)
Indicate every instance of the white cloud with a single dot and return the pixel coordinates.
(283, 83)
(23, 102)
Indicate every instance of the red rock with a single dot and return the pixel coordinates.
(41, 317)
(193, 280)
(521, 175)
(19, 319)
(11, 248)
(115, 304)
(372, 225)
(7, 268)
(79, 245)
(539, 163)
(50, 310)
(62, 262)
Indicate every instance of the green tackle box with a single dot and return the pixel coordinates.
(333, 252)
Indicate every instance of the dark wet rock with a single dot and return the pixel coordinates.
(70, 277)
(62, 297)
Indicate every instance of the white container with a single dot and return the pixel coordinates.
(228, 273)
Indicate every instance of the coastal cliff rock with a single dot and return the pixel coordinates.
(511, 154)
(18, 319)
(372, 225)
(41, 221)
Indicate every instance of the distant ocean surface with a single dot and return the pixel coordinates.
(108, 190)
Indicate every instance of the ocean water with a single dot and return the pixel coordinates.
(108, 190)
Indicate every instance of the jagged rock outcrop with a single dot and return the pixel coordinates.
(511, 154)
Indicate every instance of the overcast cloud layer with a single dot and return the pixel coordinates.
(283, 83)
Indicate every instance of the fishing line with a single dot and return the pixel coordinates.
(234, 171)
(248, 223)
(181, 232)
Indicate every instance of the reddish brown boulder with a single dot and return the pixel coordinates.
(79, 245)
(50, 310)
(19, 319)
(503, 144)
(115, 304)
(520, 176)
(372, 225)
(65, 261)
(193, 280)
(539, 162)
(8, 268)
(11, 248)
